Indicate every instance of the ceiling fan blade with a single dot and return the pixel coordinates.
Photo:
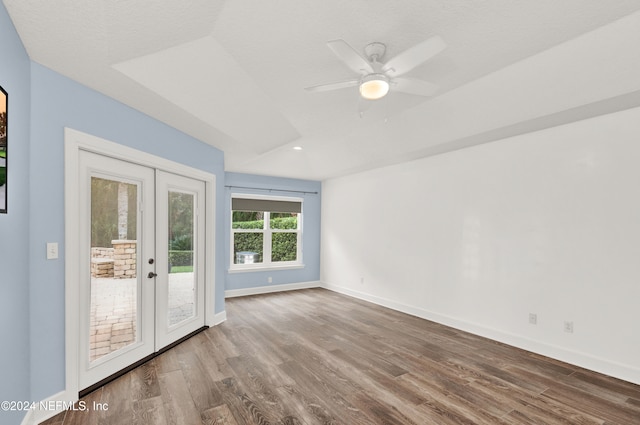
(333, 86)
(350, 56)
(414, 56)
(414, 86)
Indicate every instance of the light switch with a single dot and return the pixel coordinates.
(52, 250)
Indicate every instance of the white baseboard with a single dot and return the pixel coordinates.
(49, 407)
(219, 318)
(269, 289)
(587, 361)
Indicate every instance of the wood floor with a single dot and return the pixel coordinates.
(317, 357)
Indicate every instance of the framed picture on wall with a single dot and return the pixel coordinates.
(4, 100)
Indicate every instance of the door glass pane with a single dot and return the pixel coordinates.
(182, 282)
(114, 278)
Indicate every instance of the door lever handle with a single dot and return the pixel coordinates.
(151, 275)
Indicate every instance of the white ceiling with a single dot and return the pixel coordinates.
(233, 73)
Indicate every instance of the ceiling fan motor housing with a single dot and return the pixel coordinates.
(374, 85)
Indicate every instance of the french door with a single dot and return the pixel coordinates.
(181, 242)
(142, 262)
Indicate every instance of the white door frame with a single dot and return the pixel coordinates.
(75, 141)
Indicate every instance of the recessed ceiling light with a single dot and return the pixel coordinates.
(297, 148)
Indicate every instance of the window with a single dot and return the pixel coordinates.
(265, 232)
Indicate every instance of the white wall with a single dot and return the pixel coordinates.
(546, 223)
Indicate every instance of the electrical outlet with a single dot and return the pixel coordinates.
(533, 318)
(269, 279)
(568, 327)
(362, 281)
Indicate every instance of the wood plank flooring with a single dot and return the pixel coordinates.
(317, 357)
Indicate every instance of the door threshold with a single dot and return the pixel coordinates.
(140, 362)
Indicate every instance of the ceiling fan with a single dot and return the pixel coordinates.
(376, 79)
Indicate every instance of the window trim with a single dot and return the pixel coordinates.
(267, 237)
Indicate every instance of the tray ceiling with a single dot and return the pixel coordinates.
(232, 73)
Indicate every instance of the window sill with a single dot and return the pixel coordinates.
(259, 268)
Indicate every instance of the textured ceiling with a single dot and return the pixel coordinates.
(233, 73)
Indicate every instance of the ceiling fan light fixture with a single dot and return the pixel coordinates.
(374, 86)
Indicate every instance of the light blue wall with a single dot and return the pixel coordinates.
(58, 102)
(310, 235)
(14, 226)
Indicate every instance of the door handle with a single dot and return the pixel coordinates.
(151, 275)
